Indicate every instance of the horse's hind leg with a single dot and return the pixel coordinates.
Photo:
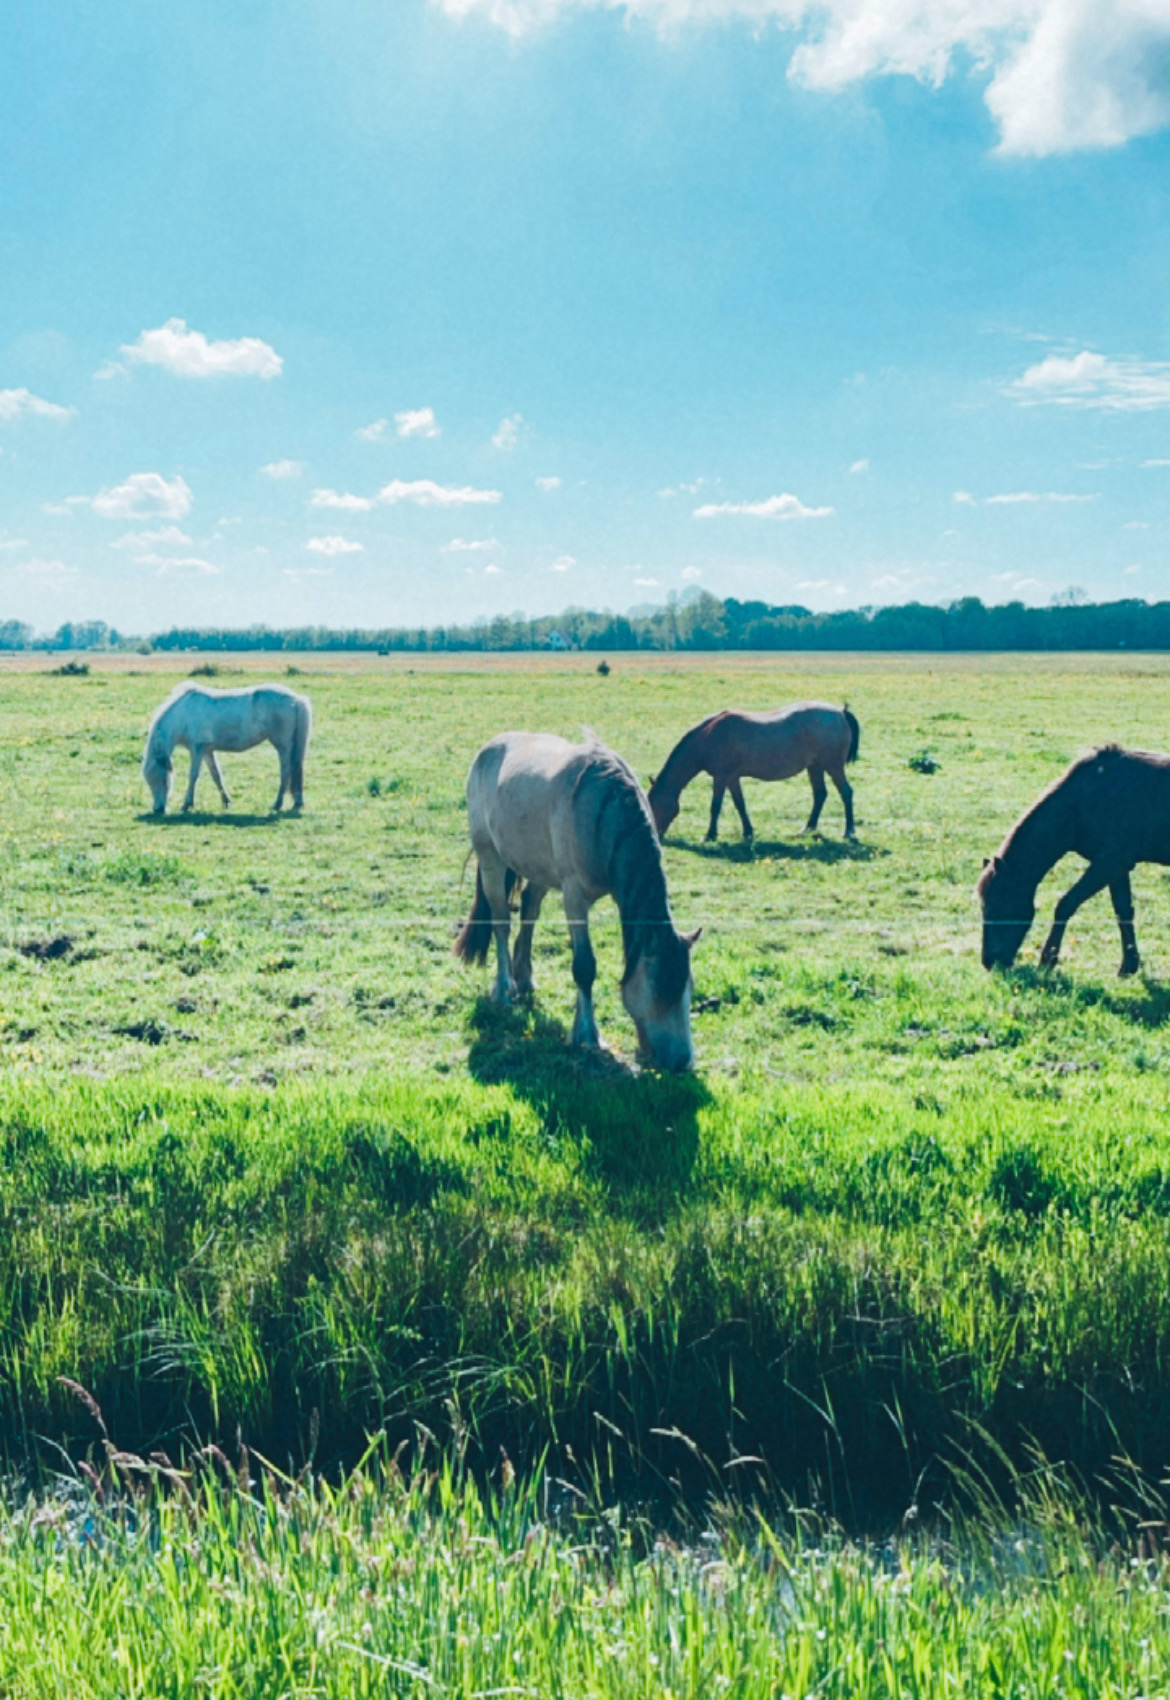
(496, 887)
(584, 969)
(736, 789)
(816, 778)
(837, 775)
(213, 769)
(1122, 897)
(530, 902)
(1093, 880)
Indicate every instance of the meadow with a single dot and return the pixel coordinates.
(276, 1172)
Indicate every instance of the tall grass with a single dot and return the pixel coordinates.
(240, 1582)
(639, 1272)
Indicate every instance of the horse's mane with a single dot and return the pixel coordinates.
(634, 866)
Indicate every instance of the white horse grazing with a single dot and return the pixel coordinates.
(572, 818)
(206, 720)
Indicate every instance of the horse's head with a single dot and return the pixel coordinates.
(657, 994)
(156, 770)
(663, 806)
(1008, 909)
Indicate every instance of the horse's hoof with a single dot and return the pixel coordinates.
(1128, 969)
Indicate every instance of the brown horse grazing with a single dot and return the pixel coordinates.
(735, 745)
(1113, 808)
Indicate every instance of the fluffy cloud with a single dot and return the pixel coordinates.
(691, 575)
(774, 507)
(141, 542)
(425, 493)
(145, 495)
(548, 483)
(334, 546)
(14, 404)
(563, 563)
(507, 433)
(282, 469)
(860, 466)
(461, 545)
(417, 422)
(167, 564)
(188, 354)
(52, 573)
(1093, 380)
(1014, 496)
(338, 499)
(1059, 74)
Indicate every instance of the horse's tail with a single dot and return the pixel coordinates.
(302, 727)
(475, 940)
(854, 733)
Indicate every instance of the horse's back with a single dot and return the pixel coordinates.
(522, 793)
(1122, 800)
(780, 742)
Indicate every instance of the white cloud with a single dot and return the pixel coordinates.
(1156, 463)
(49, 572)
(491, 568)
(648, 583)
(1058, 75)
(336, 499)
(167, 564)
(188, 354)
(110, 369)
(334, 546)
(860, 466)
(1134, 569)
(14, 543)
(375, 433)
(462, 545)
(691, 575)
(145, 495)
(1136, 525)
(15, 404)
(563, 564)
(507, 433)
(417, 422)
(1013, 496)
(140, 542)
(425, 493)
(282, 469)
(813, 584)
(965, 498)
(774, 507)
(1093, 380)
(548, 483)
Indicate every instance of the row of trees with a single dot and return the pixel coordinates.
(695, 622)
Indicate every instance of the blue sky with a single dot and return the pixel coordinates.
(420, 310)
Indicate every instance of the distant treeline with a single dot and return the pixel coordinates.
(698, 622)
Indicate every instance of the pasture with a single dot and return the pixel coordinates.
(273, 1166)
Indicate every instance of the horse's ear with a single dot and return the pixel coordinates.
(652, 782)
(987, 861)
(692, 939)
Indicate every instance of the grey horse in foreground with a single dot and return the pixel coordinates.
(204, 720)
(553, 816)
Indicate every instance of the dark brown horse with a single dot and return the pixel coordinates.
(735, 745)
(1112, 808)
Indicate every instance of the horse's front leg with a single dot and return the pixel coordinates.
(530, 902)
(717, 790)
(1094, 879)
(1122, 897)
(584, 969)
(736, 789)
(213, 769)
(197, 754)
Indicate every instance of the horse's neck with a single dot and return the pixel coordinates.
(637, 882)
(1038, 841)
(683, 762)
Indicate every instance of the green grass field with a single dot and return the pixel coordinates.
(273, 1166)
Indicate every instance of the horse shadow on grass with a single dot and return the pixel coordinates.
(1150, 1010)
(813, 848)
(637, 1129)
(218, 817)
